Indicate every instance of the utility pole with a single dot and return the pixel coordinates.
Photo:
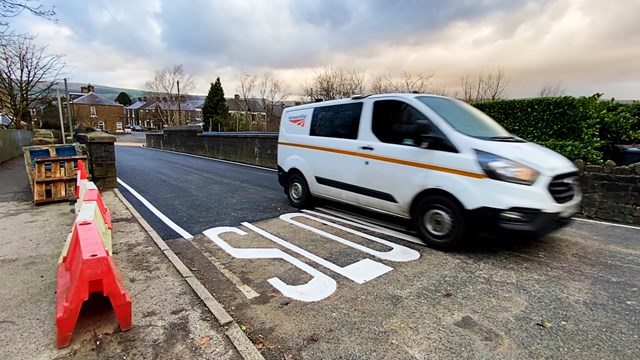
(179, 101)
(66, 90)
(64, 138)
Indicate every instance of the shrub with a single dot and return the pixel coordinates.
(578, 128)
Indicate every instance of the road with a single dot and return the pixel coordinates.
(359, 292)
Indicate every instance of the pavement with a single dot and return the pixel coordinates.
(170, 320)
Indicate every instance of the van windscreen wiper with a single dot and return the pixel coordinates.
(508, 138)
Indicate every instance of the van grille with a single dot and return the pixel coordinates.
(563, 187)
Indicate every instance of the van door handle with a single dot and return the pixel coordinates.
(366, 147)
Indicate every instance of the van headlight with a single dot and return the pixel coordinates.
(499, 168)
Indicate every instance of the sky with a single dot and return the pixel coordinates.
(586, 46)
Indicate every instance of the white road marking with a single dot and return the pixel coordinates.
(318, 288)
(245, 289)
(352, 220)
(359, 272)
(398, 252)
(607, 223)
(182, 232)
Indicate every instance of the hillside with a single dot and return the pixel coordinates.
(110, 92)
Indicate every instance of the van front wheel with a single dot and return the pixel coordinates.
(298, 191)
(440, 222)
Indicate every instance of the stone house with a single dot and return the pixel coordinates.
(250, 109)
(135, 111)
(92, 110)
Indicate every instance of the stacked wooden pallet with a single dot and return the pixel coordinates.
(55, 178)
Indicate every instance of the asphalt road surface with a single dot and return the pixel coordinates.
(330, 285)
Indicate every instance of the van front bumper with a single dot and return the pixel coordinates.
(518, 220)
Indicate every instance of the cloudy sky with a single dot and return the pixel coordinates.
(588, 46)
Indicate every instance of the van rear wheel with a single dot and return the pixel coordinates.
(440, 222)
(298, 191)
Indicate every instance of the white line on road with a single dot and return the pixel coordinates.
(608, 223)
(246, 290)
(182, 232)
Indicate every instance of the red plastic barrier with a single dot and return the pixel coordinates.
(94, 195)
(81, 174)
(87, 268)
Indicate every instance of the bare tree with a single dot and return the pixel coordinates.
(406, 83)
(163, 89)
(437, 89)
(27, 73)
(246, 90)
(555, 90)
(494, 84)
(12, 8)
(335, 84)
(272, 93)
(485, 87)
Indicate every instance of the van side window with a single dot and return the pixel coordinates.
(396, 122)
(338, 121)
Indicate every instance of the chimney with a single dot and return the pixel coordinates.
(87, 89)
(236, 96)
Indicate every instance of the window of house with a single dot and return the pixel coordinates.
(118, 126)
(93, 111)
(101, 125)
(33, 112)
(339, 121)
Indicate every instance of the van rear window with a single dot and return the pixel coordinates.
(337, 121)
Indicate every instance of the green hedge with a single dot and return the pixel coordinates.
(578, 128)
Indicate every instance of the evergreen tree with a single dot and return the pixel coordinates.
(215, 111)
(124, 99)
(50, 117)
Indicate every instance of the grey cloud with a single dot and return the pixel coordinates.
(333, 14)
(131, 28)
(306, 33)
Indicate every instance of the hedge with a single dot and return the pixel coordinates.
(578, 128)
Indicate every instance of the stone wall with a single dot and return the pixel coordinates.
(249, 148)
(611, 192)
(102, 158)
(12, 141)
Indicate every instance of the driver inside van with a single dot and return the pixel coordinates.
(405, 125)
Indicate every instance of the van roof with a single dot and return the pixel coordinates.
(356, 98)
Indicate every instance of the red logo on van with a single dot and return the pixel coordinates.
(298, 121)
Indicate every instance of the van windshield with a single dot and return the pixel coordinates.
(467, 119)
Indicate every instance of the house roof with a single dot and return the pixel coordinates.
(136, 105)
(95, 99)
(241, 105)
(186, 105)
(192, 104)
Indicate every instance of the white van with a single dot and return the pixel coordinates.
(436, 160)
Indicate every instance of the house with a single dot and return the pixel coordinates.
(152, 113)
(92, 110)
(251, 109)
(133, 111)
(191, 111)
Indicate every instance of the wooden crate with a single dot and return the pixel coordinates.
(54, 178)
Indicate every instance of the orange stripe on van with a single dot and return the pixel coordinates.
(390, 160)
